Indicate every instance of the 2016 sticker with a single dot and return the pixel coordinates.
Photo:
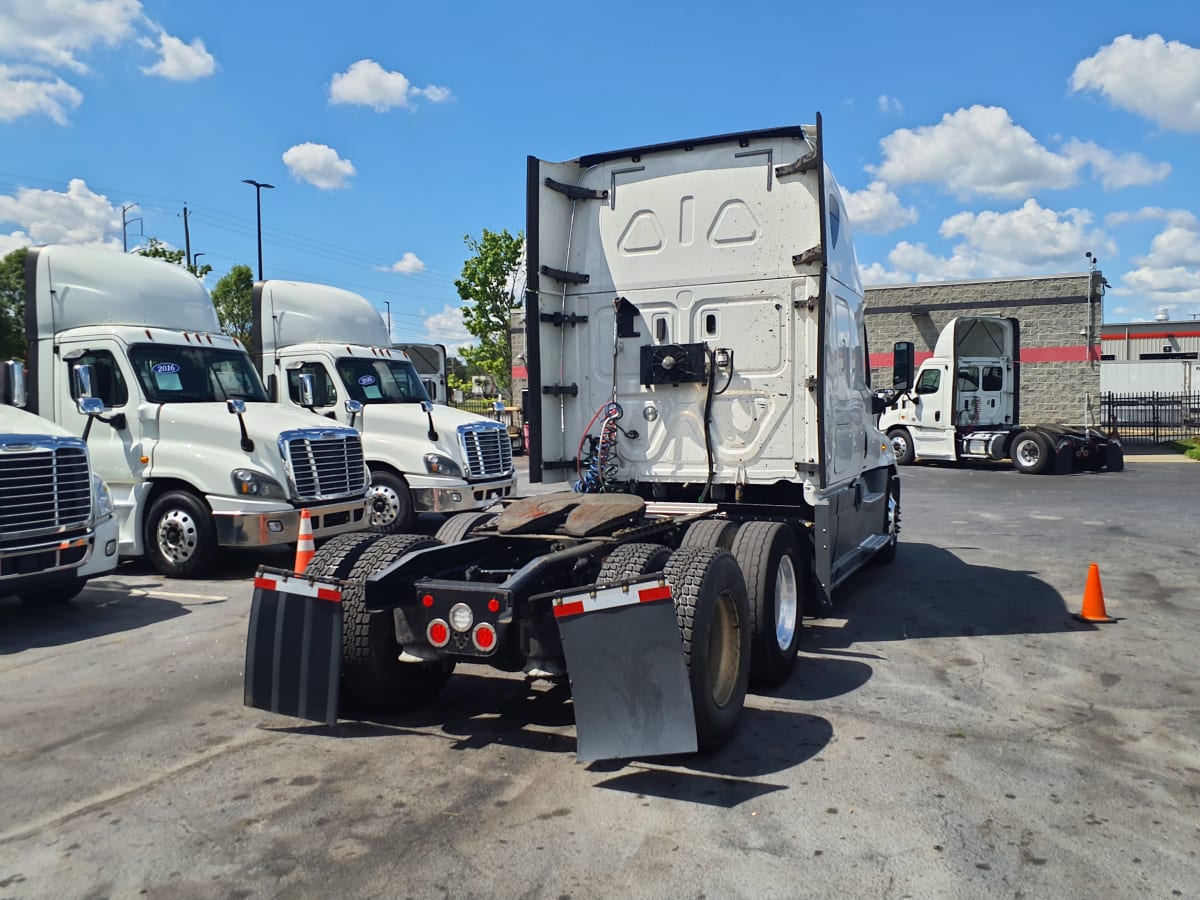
(166, 368)
(366, 380)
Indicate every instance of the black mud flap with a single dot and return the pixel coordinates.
(1114, 457)
(629, 682)
(294, 646)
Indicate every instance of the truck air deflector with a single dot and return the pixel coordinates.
(742, 137)
(629, 681)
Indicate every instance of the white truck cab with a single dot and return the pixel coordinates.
(57, 527)
(195, 455)
(326, 351)
(430, 363)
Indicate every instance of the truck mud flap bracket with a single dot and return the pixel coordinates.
(294, 646)
(629, 682)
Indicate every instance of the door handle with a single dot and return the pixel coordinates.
(937, 416)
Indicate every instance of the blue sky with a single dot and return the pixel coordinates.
(973, 139)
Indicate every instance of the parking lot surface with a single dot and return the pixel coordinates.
(950, 731)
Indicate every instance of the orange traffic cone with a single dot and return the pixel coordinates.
(305, 548)
(1093, 599)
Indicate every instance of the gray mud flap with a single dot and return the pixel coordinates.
(629, 682)
(294, 645)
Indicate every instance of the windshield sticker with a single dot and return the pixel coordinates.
(366, 380)
(372, 391)
(166, 368)
(166, 376)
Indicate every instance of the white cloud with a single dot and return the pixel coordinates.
(179, 61)
(876, 273)
(890, 104)
(876, 210)
(1181, 217)
(57, 32)
(408, 264)
(447, 327)
(975, 151)
(25, 92)
(76, 216)
(1117, 171)
(367, 83)
(1150, 77)
(319, 165)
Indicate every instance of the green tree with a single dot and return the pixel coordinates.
(12, 305)
(233, 299)
(156, 249)
(488, 290)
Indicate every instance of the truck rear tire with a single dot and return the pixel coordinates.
(459, 526)
(714, 619)
(1031, 453)
(776, 584)
(902, 446)
(710, 533)
(179, 536)
(372, 673)
(632, 560)
(337, 556)
(391, 510)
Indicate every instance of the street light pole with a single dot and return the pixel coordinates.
(196, 262)
(258, 189)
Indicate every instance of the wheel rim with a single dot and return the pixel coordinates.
(787, 603)
(899, 445)
(892, 506)
(385, 505)
(178, 536)
(724, 649)
(1029, 453)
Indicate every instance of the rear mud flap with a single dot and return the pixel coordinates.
(294, 646)
(629, 682)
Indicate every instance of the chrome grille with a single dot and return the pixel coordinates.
(487, 449)
(43, 488)
(326, 466)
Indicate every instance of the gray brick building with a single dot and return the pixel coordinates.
(1060, 318)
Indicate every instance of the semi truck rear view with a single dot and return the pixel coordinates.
(699, 387)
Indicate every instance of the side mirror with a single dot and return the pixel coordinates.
(903, 369)
(236, 407)
(90, 406)
(14, 384)
(308, 390)
(353, 408)
(85, 377)
(426, 407)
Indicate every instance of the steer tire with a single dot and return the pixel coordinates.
(1032, 453)
(902, 445)
(372, 674)
(710, 533)
(179, 536)
(776, 586)
(460, 525)
(714, 619)
(886, 554)
(630, 561)
(391, 507)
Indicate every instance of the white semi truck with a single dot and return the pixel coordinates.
(196, 457)
(325, 350)
(965, 405)
(57, 527)
(430, 362)
(698, 372)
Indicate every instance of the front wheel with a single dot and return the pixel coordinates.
(391, 509)
(180, 538)
(891, 523)
(714, 619)
(902, 446)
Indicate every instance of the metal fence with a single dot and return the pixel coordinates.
(487, 409)
(1150, 418)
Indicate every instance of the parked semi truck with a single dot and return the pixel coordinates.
(196, 457)
(965, 405)
(57, 527)
(430, 362)
(325, 350)
(699, 372)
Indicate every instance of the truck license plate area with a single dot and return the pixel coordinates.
(629, 683)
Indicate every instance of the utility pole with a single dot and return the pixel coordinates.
(125, 223)
(187, 238)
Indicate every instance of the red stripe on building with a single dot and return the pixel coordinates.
(1077, 353)
(649, 595)
(1149, 335)
(886, 360)
(520, 372)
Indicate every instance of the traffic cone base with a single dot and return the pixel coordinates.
(306, 549)
(1093, 599)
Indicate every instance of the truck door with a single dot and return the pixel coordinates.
(325, 392)
(930, 418)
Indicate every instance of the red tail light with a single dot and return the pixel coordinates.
(438, 633)
(484, 637)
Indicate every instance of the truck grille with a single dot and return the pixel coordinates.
(325, 467)
(487, 449)
(43, 489)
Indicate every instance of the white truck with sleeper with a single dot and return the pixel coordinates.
(965, 405)
(57, 527)
(325, 350)
(196, 457)
(698, 375)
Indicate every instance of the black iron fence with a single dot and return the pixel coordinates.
(1150, 418)
(487, 408)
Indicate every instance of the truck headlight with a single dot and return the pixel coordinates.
(436, 464)
(101, 497)
(248, 483)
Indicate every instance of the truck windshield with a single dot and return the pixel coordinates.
(381, 380)
(174, 374)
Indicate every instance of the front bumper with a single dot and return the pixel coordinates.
(435, 495)
(269, 524)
